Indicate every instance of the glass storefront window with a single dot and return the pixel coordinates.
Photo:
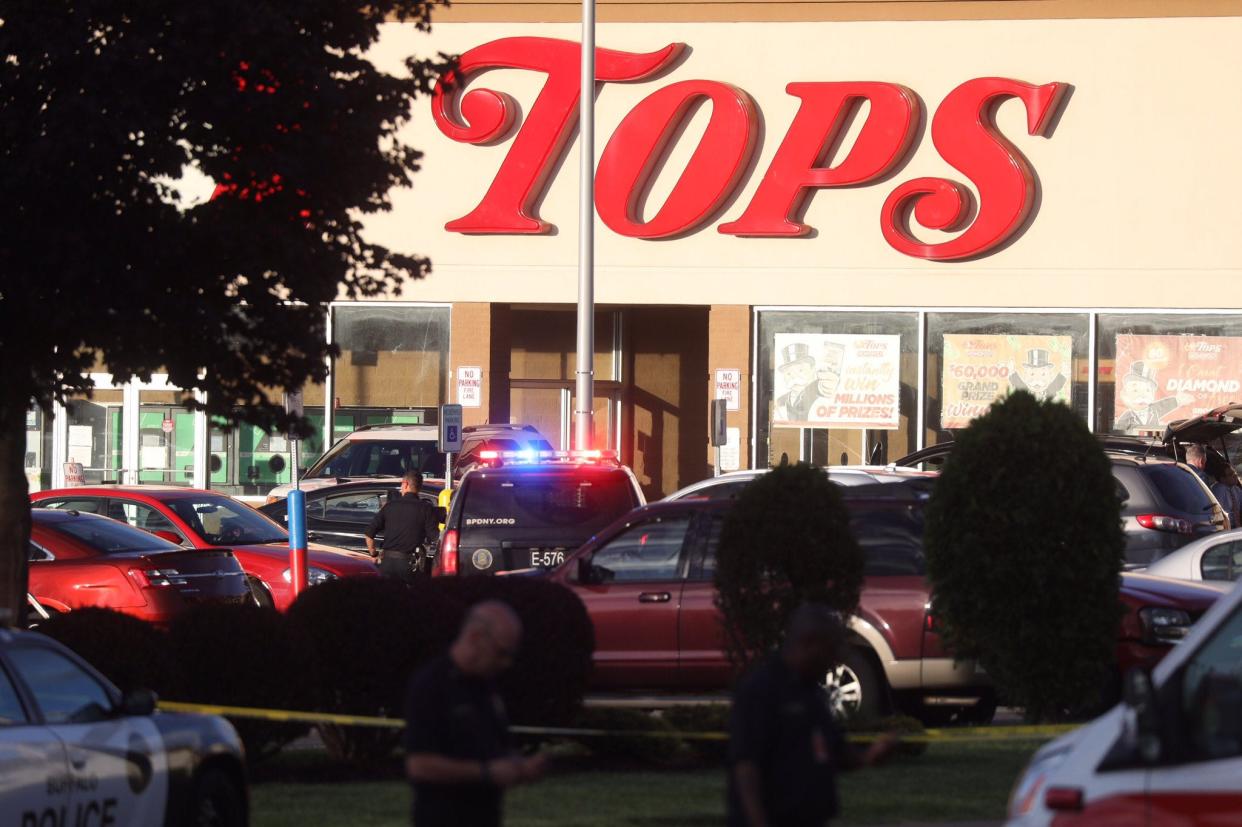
(836, 387)
(1157, 368)
(393, 365)
(94, 435)
(38, 450)
(973, 359)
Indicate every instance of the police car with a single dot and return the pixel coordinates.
(75, 752)
(519, 510)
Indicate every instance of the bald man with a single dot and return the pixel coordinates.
(458, 756)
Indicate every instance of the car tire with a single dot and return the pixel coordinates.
(262, 597)
(218, 800)
(855, 689)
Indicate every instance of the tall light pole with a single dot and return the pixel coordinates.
(585, 389)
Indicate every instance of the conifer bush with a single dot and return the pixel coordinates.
(1024, 546)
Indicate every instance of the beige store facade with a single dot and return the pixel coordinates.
(1128, 251)
(1118, 288)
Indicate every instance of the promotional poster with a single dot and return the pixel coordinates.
(826, 380)
(981, 368)
(1165, 378)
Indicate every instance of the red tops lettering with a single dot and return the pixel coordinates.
(963, 132)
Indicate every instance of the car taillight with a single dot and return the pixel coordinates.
(446, 560)
(156, 578)
(1162, 522)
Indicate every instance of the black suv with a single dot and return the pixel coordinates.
(1164, 504)
(520, 515)
(475, 439)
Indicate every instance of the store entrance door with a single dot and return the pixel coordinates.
(549, 406)
(130, 434)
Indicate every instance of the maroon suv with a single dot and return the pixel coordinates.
(647, 582)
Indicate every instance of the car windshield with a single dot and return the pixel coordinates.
(110, 537)
(380, 458)
(220, 521)
(557, 510)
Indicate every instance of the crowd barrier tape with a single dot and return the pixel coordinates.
(953, 735)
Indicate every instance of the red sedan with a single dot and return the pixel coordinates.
(208, 520)
(83, 560)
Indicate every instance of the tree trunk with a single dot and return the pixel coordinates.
(14, 512)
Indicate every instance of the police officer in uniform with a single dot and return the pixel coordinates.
(409, 525)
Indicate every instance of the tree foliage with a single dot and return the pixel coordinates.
(786, 541)
(103, 104)
(1024, 545)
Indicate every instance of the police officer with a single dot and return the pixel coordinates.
(785, 748)
(458, 756)
(409, 526)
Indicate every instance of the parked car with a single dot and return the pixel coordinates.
(1169, 756)
(83, 560)
(371, 452)
(1164, 504)
(518, 512)
(339, 514)
(76, 751)
(647, 582)
(476, 439)
(1215, 558)
(207, 520)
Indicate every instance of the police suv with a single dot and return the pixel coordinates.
(75, 752)
(528, 509)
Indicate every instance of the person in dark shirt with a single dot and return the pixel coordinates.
(458, 756)
(409, 525)
(785, 749)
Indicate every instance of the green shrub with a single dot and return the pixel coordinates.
(366, 636)
(627, 742)
(545, 685)
(702, 718)
(130, 652)
(786, 541)
(1024, 544)
(244, 656)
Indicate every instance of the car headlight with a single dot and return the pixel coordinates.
(1164, 626)
(1026, 792)
(314, 576)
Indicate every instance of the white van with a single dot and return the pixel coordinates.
(1170, 754)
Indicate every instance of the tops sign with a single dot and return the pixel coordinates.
(962, 130)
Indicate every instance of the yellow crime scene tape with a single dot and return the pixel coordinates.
(955, 735)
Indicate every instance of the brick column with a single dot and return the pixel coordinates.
(729, 346)
(480, 338)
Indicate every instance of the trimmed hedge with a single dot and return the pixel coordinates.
(547, 681)
(260, 664)
(1024, 544)
(130, 652)
(366, 636)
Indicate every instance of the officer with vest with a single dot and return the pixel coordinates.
(409, 526)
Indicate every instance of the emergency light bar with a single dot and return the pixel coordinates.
(531, 455)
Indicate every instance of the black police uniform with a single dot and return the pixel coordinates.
(781, 722)
(460, 716)
(409, 525)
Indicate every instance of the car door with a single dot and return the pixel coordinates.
(1200, 786)
(33, 767)
(633, 596)
(146, 517)
(117, 768)
(341, 519)
(703, 662)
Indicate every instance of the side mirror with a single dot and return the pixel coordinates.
(138, 702)
(1143, 719)
(441, 515)
(170, 536)
(586, 572)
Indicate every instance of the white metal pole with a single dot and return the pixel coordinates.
(586, 235)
